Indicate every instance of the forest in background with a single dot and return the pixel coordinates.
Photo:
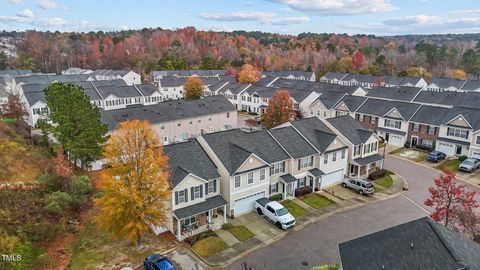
(454, 56)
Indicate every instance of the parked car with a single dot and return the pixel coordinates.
(158, 262)
(469, 165)
(363, 187)
(436, 156)
(275, 212)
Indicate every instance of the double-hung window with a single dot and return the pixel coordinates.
(302, 181)
(431, 130)
(305, 162)
(196, 192)
(277, 168)
(250, 178)
(334, 156)
(237, 182)
(181, 196)
(343, 153)
(211, 186)
(262, 175)
(325, 159)
(416, 127)
(456, 132)
(393, 123)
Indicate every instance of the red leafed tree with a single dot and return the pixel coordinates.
(280, 110)
(449, 199)
(14, 108)
(62, 167)
(357, 59)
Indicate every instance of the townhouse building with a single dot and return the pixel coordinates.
(292, 75)
(363, 156)
(348, 105)
(130, 77)
(369, 81)
(451, 85)
(171, 87)
(178, 120)
(323, 107)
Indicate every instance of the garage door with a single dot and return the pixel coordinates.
(448, 149)
(332, 178)
(476, 155)
(245, 204)
(395, 140)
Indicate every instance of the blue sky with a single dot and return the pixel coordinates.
(382, 17)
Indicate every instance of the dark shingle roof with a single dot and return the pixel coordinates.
(234, 146)
(189, 157)
(316, 132)
(47, 79)
(266, 80)
(351, 129)
(202, 207)
(15, 72)
(330, 98)
(353, 102)
(471, 85)
(168, 110)
(402, 93)
(146, 89)
(445, 82)
(334, 75)
(286, 136)
(128, 91)
(434, 247)
(288, 178)
(380, 107)
(368, 160)
(432, 115)
(172, 81)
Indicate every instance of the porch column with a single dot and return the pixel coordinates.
(210, 213)
(313, 183)
(284, 193)
(225, 213)
(359, 170)
(368, 168)
(179, 232)
(381, 164)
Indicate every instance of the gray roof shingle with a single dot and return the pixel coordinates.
(380, 107)
(316, 132)
(285, 136)
(350, 128)
(202, 207)
(402, 93)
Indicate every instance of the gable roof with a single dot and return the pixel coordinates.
(127, 91)
(434, 247)
(351, 129)
(234, 146)
(189, 158)
(432, 115)
(316, 132)
(402, 93)
(146, 89)
(446, 82)
(168, 110)
(334, 75)
(286, 135)
(380, 107)
(353, 102)
(330, 98)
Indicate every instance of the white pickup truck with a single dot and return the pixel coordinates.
(275, 212)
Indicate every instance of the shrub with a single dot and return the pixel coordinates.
(462, 158)
(276, 197)
(7, 242)
(57, 202)
(227, 226)
(302, 191)
(80, 185)
(49, 182)
(36, 139)
(197, 237)
(377, 174)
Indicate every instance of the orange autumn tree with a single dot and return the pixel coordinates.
(193, 88)
(248, 74)
(279, 111)
(136, 185)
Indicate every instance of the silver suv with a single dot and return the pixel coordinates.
(363, 187)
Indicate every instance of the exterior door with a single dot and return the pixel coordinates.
(459, 150)
(414, 141)
(290, 189)
(387, 137)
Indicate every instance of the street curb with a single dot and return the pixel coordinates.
(433, 169)
(296, 228)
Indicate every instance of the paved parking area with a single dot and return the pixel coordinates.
(349, 194)
(259, 225)
(183, 260)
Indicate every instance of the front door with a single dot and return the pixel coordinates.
(290, 189)
(414, 141)
(387, 136)
(459, 150)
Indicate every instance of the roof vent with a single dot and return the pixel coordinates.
(411, 245)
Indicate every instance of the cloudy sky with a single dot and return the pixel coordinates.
(382, 17)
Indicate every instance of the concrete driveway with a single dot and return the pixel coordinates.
(259, 225)
(317, 243)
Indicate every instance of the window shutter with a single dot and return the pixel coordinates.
(283, 167)
(276, 187)
(411, 126)
(468, 132)
(201, 191)
(192, 195)
(271, 170)
(299, 164)
(215, 185)
(206, 189)
(186, 194)
(270, 189)
(176, 197)
(311, 160)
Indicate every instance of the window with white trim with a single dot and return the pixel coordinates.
(457, 132)
(306, 162)
(262, 175)
(343, 153)
(334, 156)
(211, 186)
(393, 123)
(277, 168)
(250, 178)
(181, 196)
(237, 182)
(477, 140)
(302, 181)
(325, 159)
(273, 188)
(196, 192)
(416, 127)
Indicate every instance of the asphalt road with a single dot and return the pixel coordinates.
(317, 243)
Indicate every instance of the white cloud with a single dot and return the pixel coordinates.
(16, 2)
(338, 7)
(26, 13)
(261, 17)
(47, 4)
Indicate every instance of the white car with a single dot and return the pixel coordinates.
(275, 212)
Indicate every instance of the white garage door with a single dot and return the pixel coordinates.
(395, 140)
(245, 204)
(448, 149)
(476, 155)
(332, 178)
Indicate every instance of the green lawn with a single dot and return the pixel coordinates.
(385, 181)
(376, 189)
(293, 208)
(209, 246)
(396, 151)
(241, 233)
(316, 201)
(421, 156)
(9, 120)
(452, 165)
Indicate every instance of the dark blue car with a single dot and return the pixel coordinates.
(158, 262)
(435, 156)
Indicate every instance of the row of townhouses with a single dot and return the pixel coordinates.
(221, 174)
(369, 81)
(130, 77)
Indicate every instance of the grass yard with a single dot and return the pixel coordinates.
(421, 156)
(294, 209)
(9, 120)
(209, 246)
(452, 165)
(377, 189)
(316, 201)
(385, 181)
(396, 151)
(241, 233)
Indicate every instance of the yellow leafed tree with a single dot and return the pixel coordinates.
(193, 88)
(248, 74)
(136, 185)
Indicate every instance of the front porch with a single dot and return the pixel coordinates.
(197, 218)
(302, 183)
(362, 167)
